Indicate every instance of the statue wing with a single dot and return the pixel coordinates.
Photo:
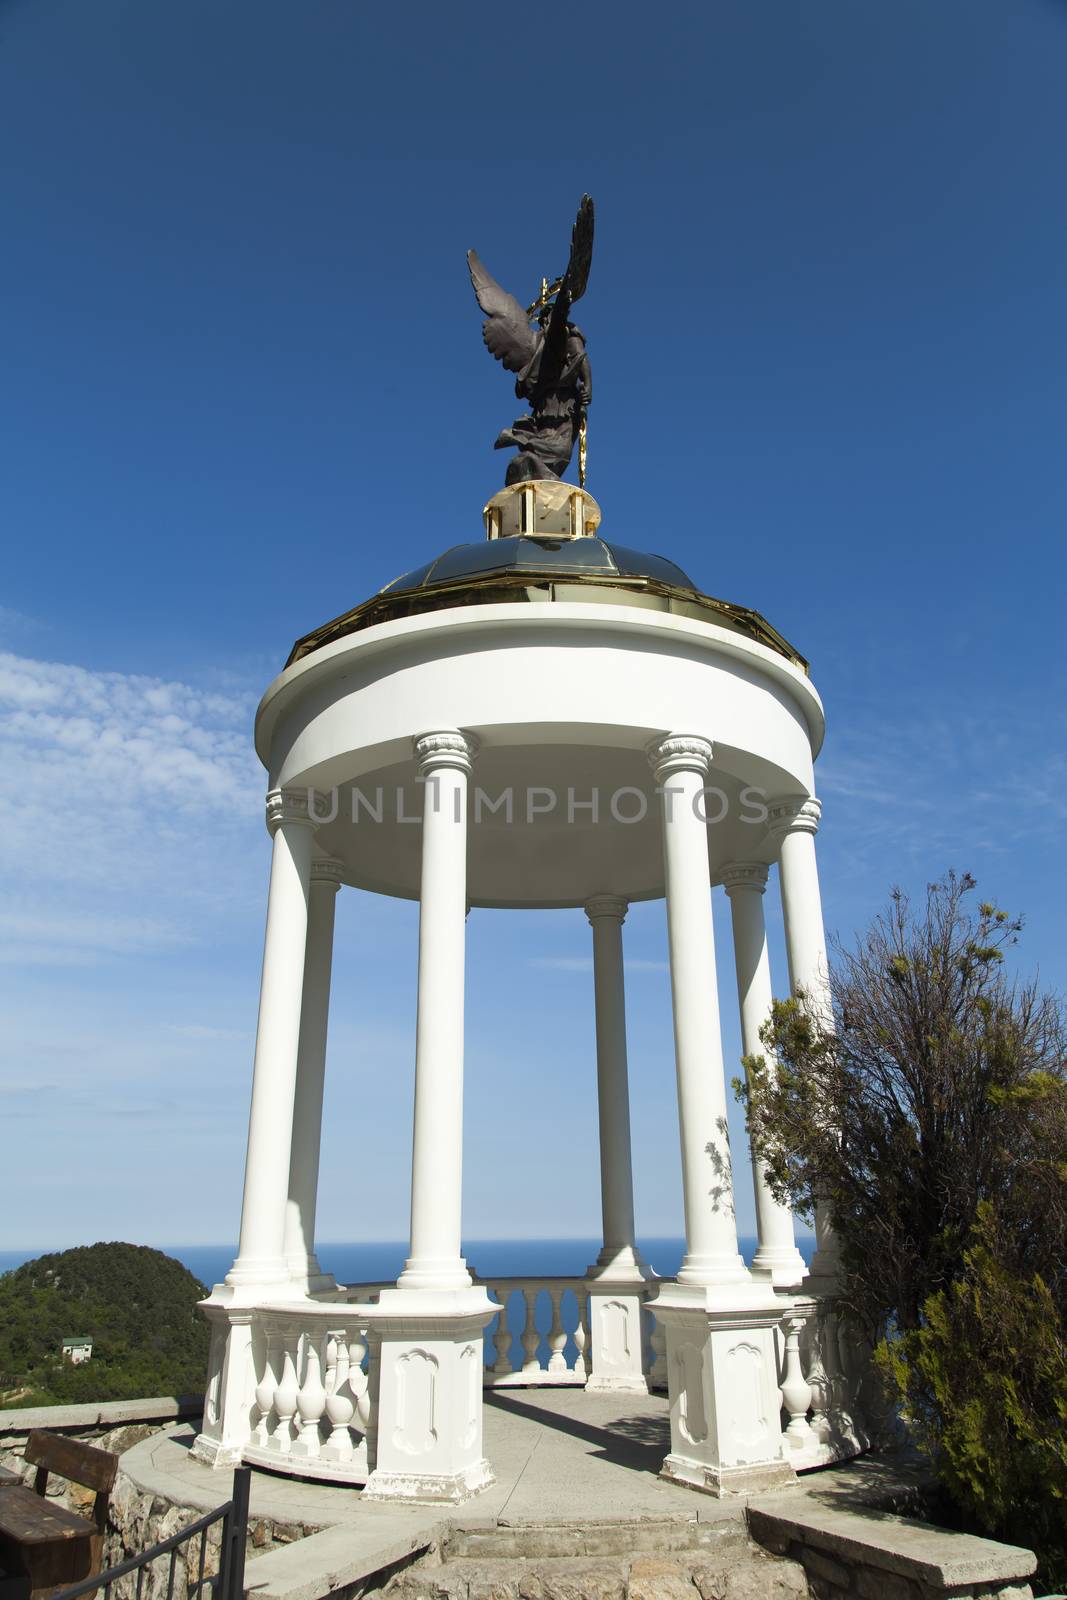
(506, 330)
(572, 287)
(581, 250)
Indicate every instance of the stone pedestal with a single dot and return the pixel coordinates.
(726, 1433)
(229, 1397)
(425, 1440)
(616, 1335)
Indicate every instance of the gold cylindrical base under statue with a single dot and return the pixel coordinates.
(542, 508)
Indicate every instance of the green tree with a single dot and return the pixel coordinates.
(138, 1306)
(928, 1118)
(939, 1085)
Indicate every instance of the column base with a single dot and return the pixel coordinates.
(308, 1277)
(723, 1481)
(259, 1278)
(430, 1487)
(818, 1283)
(421, 1272)
(714, 1271)
(786, 1268)
(620, 1264)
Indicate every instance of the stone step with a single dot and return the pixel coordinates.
(747, 1576)
(725, 1537)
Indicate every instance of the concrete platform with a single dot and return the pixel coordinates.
(576, 1475)
(556, 1454)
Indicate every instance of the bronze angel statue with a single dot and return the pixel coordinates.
(547, 353)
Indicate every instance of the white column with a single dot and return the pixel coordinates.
(618, 1281)
(681, 764)
(300, 1255)
(793, 821)
(435, 1261)
(744, 882)
(261, 1256)
(619, 1256)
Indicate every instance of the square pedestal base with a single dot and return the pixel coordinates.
(722, 1481)
(425, 1437)
(616, 1342)
(722, 1378)
(450, 1488)
(229, 1398)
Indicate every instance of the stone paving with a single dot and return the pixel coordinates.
(576, 1477)
(558, 1454)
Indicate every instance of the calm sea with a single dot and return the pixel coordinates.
(380, 1262)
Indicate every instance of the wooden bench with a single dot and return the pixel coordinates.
(43, 1545)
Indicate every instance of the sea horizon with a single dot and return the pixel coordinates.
(378, 1261)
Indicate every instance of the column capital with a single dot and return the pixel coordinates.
(794, 813)
(743, 875)
(612, 906)
(445, 747)
(679, 752)
(324, 869)
(293, 805)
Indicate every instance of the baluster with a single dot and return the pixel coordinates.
(285, 1392)
(530, 1337)
(851, 1367)
(311, 1399)
(836, 1402)
(340, 1402)
(557, 1337)
(358, 1381)
(817, 1377)
(581, 1335)
(265, 1389)
(657, 1341)
(502, 1337)
(796, 1391)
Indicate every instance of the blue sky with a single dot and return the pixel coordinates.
(243, 386)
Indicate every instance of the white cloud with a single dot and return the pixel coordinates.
(122, 795)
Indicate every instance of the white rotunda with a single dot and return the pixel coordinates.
(540, 719)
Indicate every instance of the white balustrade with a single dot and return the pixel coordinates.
(313, 1391)
(566, 1303)
(313, 1395)
(819, 1382)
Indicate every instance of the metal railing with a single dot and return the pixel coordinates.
(227, 1583)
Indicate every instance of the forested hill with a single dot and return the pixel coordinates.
(137, 1305)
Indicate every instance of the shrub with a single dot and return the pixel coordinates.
(983, 1381)
(927, 1118)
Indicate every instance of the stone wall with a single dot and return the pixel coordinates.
(112, 1424)
(136, 1519)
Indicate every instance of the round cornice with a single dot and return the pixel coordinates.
(521, 625)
